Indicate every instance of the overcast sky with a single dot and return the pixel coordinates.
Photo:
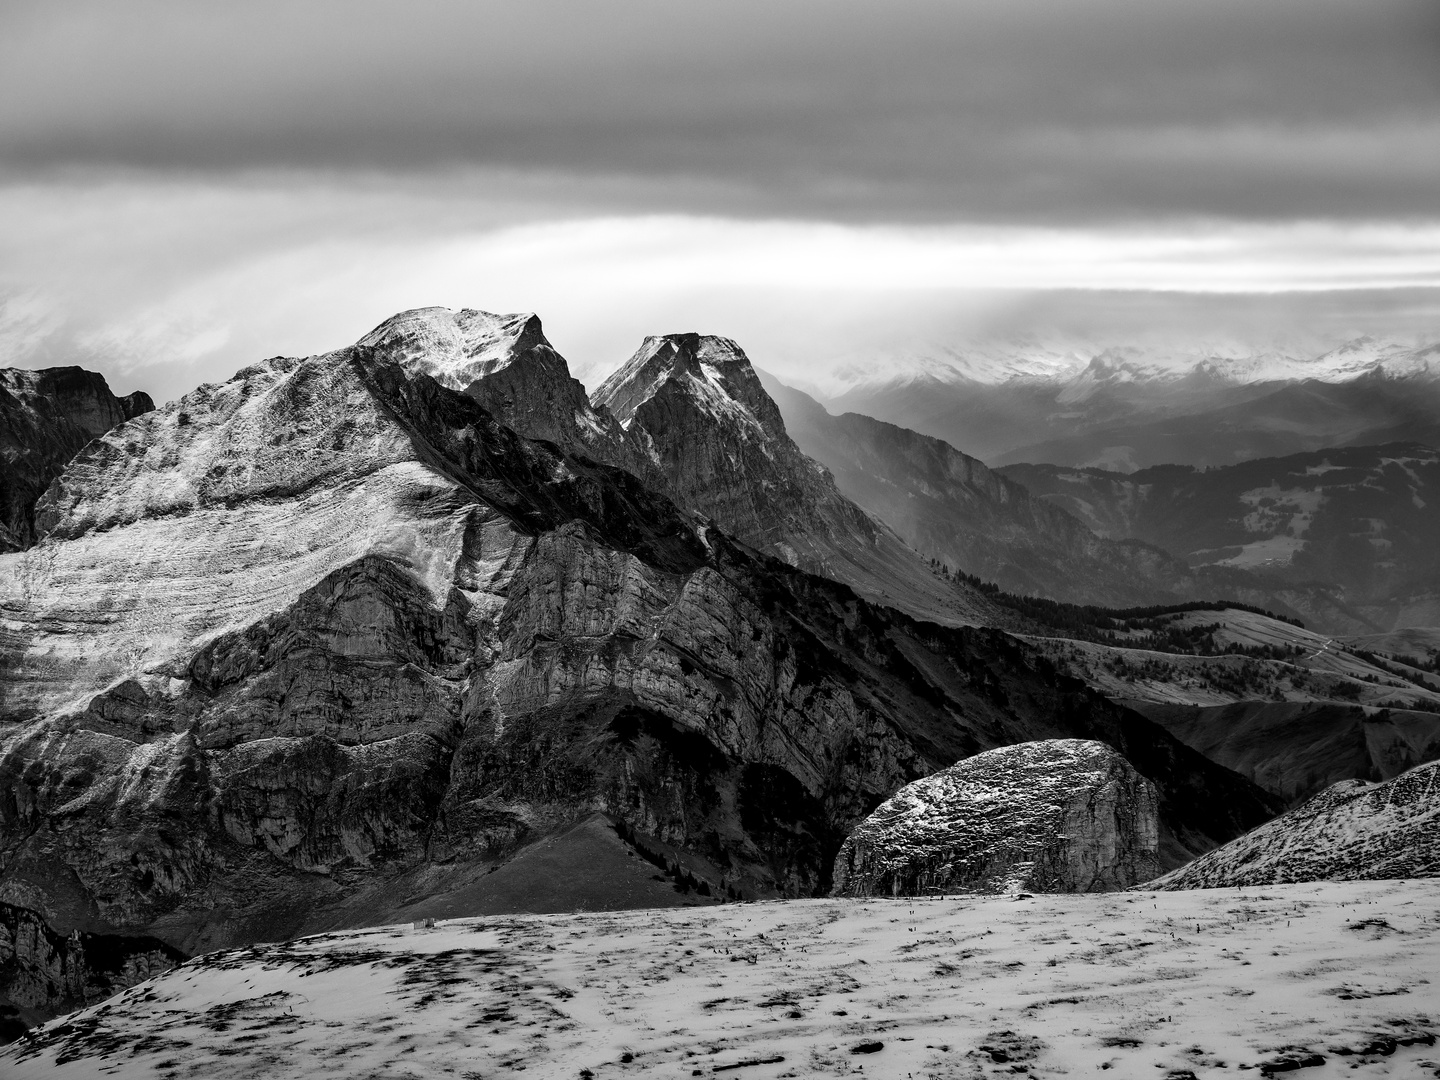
(186, 187)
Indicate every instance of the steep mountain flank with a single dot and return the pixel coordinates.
(951, 507)
(1361, 520)
(302, 649)
(722, 449)
(1296, 749)
(1065, 815)
(46, 417)
(1351, 831)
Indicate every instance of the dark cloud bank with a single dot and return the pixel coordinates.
(911, 110)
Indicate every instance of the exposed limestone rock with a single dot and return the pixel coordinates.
(1063, 815)
(1352, 831)
(45, 973)
(300, 648)
(46, 417)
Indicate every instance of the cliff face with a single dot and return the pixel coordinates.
(721, 448)
(1064, 815)
(1352, 831)
(46, 417)
(45, 973)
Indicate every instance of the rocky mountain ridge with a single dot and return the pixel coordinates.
(506, 364)
(46, 418)
(721, 446)
(1352, 831)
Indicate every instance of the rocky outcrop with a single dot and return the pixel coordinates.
(46, 417)
(1062, 815)
(45, 973)
(1352, 831)
(301, 648)
(721, 448)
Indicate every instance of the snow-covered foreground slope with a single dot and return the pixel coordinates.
(1148, 985)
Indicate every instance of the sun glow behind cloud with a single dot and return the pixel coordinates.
(186, 283)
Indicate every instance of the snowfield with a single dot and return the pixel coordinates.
(1334, 978)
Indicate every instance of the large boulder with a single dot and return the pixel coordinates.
(1061, 815)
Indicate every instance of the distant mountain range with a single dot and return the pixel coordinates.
(1126, 408)
(1363, 519)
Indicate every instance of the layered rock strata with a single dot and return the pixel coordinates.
(1060, 815)
(1351, 831)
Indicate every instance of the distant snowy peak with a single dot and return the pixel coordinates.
(1083, 366)
(457, 348)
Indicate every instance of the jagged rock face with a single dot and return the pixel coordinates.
(506, 364)
(46, 417)
(1063, 815)
(721, 449)
(1352, 831)
(45, 973)
(302, 646)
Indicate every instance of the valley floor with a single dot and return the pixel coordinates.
(1163, 985)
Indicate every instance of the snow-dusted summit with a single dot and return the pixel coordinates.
(1077, 365)
(506, 364)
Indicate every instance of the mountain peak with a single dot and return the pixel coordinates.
(506, 364)
(720, 447)
(457, 348)
(712, 371)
